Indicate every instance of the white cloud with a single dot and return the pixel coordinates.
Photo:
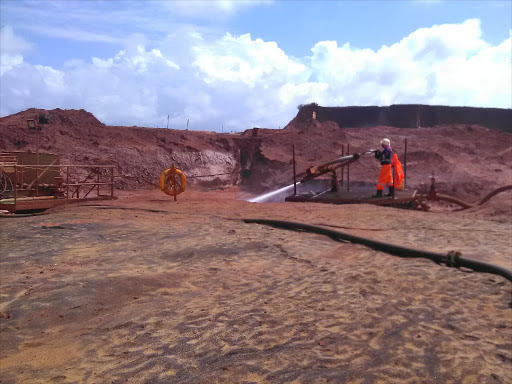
(444, 64)
(240, 82)
(8, 62)
(11, 43)
(137, 61)
(206, 9)
(11, 49)
(243, 60)
(72, 33)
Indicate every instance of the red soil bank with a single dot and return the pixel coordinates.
(468, 160)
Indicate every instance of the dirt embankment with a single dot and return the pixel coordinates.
(468, 160)
(140, 154)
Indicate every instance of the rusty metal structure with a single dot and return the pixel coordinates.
(27, 184)
(422, 199)
(33, 180)
(37, 181)
(337, 195)
(412, 199)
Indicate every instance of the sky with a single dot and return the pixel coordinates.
(233, 65)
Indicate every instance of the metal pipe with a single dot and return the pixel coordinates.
(37, 161)
(112, 183)
(342, 168)
(98, 182)
(294, 173)
(15, 184)
(68, 165)
(450, 259)
(348, 170)
(21, 171)
(314, 172)
(405, 165)
(93, 183)
(67, 182)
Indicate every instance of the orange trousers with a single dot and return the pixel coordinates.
(385, 177)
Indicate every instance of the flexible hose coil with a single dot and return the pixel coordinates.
(467, 205)
(452, 259)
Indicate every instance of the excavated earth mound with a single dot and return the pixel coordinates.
(467, 160)
(139, 153)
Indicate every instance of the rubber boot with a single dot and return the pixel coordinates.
(391, 191)
(379, 193)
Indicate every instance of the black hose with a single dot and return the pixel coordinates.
(466, 205)
(452, 259)
(494, 193)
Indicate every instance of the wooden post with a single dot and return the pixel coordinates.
(348, 169)
(67, 182)
(342, 168)
(37, 161)
(173, 176)
(294, 174)
(112, 183)
(21, 171)
(15, 184)
(98, 181)
(405, 165)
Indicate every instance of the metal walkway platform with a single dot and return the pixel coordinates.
(23, 204)
(356, 196)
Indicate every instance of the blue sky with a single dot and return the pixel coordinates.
(366, 24)
(250, 63)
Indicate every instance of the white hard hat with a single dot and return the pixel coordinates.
(385, 142)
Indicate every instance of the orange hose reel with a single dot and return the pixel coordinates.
(173, 181)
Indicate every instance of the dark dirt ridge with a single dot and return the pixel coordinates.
(410, 116)
(468, 160)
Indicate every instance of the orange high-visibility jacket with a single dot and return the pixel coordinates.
(399, 172)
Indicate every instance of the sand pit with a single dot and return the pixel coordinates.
(146, 290)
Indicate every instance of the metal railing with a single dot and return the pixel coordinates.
(73, 181)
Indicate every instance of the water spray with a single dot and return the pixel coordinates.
(312, 173)
(268, 195)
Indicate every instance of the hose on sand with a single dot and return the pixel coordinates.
(451, 259)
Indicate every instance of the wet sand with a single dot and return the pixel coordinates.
(149, 290)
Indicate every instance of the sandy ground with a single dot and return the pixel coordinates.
(146, 290)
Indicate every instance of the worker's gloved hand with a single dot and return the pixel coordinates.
(378, 154)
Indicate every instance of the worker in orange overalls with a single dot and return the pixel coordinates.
(385, 177)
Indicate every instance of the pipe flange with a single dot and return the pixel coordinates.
(453, 259)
